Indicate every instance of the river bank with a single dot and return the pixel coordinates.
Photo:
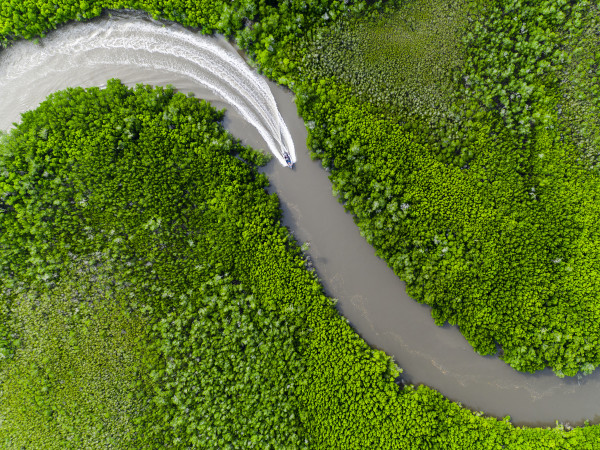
(370, 295)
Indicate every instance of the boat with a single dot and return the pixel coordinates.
(288, 160)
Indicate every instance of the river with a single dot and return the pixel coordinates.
(369, 294)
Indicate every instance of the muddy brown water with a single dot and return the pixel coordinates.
(370, 295)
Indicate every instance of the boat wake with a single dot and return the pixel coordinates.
(36, 70)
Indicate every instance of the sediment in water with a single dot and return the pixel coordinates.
(370, 295)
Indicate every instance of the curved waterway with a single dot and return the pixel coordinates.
(136, 49)
(149, 46)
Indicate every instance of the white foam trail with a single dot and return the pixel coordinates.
(147, 45)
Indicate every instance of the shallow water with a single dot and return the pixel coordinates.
(370, 295)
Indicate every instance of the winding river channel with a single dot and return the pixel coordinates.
(136, 49)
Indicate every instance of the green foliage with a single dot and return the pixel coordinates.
(484, 210)
(408, 62)
(76, 379)
(35, 17)
(401, 61)
(506, 257)
(579, 108)
(150, 179)
(513, 55)
(229, 373)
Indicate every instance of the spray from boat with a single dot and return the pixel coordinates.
(142, 44)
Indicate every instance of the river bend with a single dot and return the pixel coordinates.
(137, 49)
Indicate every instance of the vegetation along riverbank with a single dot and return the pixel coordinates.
(478, 187)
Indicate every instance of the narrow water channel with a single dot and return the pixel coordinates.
(370, 295)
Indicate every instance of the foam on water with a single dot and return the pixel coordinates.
(27, 69)
(133, 48)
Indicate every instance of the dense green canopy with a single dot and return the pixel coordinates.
(488, 212)
(483, 199)
(123, 216)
